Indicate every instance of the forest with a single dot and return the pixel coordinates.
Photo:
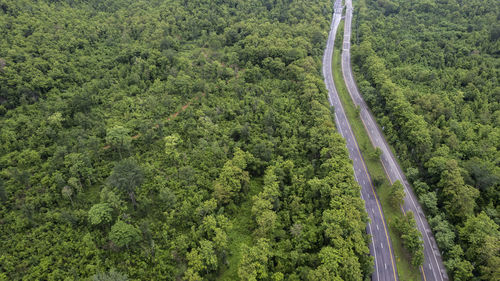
(192, 140)
(430, 72)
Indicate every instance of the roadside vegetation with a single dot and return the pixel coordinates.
(429, 70)
(392, 212)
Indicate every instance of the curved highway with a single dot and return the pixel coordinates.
(380, 247)
(433, 268)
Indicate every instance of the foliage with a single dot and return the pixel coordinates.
(412, 238)
(397, 194)
(188, 110)
(232, 178)
(126, 176)
(481, 238)
(118, 137)
(429, 72)
(124, 234)
(100, 213)
(253, 265)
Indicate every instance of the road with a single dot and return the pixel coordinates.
(433, 268)
(380, 247)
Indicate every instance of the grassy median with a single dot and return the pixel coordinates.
(405, 270)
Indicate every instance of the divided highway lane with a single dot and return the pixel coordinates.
(380, 248)
(433, 268)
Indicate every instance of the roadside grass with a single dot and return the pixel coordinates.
(405, 270)
(240, 233)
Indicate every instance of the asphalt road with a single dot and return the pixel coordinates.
(380, 248)
(433, 268)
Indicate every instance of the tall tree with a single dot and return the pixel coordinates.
(481, 237)
(127, 176)
(100, 213)
(254, 263)
(459, 198)
(397, 194)
(412, 238)
(123, 234)
(118, 137)
(232, 178)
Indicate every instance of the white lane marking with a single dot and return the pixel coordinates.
(328, 56)
(421, 225)
(374, 252)
(377, 227)
(349, 8)
(381, 245)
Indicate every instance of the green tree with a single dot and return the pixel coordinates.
(108, 196)
(460, 199)
(481, 237)
(191, 275)
(430, 202)
(397, 194)
(75, 184)
(412, 174)
(412, 238)
(79, 167)
(267, 223)
(202, 259)
(254, 262)
(100, 214)
(127, 176)
(208, 255)
(118, 137)
(377, 153)
(232, 179)
(461, 268)
(171, 144)
(123, 234)
(443, 232)
(329, 268)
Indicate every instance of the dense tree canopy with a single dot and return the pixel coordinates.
(170, 139)
(430, 72)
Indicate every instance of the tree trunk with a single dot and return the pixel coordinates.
(132, 197)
